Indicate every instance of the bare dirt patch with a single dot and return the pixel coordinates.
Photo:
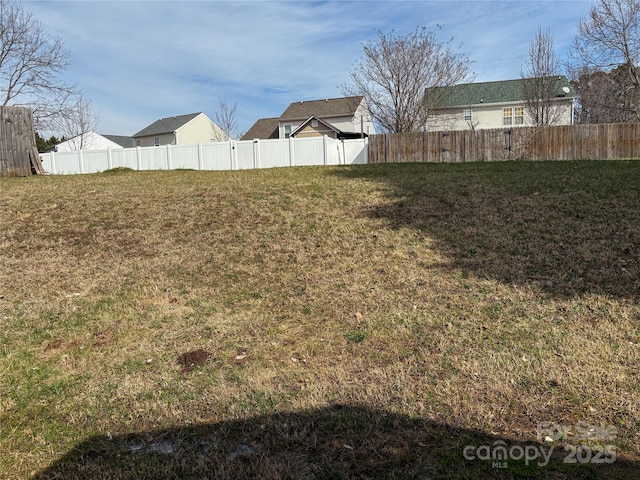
(195, 358)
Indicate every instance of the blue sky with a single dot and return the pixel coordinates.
(138, 61)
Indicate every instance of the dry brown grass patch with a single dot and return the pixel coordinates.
(475, 300)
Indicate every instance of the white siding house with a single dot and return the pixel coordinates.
(91, 141)
(496, 105)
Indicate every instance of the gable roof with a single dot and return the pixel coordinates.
(264, 128)
(166, 125)
(497, 92)
(330, 107)
(313, 117)
(89, 138)
(121, 140)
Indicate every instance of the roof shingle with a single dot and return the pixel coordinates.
(264, 128)
(331, 107)
(496, 92)
(166, 125)
(121, 140)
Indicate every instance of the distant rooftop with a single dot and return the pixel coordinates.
(123, 141)
(303, 110)
(497, 92)
(264, 128)
(166, 125)
(330, 107)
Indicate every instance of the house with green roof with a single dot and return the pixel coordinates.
(498, 104)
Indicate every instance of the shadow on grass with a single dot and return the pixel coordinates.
(570, 228)
(340, 441)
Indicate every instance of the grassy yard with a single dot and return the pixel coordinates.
(382, 321)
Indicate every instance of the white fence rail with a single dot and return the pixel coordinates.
(233, 155)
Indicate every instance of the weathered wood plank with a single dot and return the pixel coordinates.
(567, 142)
(19, 156)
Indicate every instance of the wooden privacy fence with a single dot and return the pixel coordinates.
(567, 142)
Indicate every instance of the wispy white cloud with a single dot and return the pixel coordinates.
(142, 60)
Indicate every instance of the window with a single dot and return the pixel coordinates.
(467, 114)
(314, 123)
(507, 116)
(518, 116)
(156, 141)
(287, 131)
(513, 116)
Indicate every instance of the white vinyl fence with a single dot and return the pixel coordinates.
(233, 155)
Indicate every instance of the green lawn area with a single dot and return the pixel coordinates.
(375, 321)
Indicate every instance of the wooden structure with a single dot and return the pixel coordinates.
(567, 142)
(19, 155)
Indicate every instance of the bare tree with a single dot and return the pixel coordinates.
(608, 37)
(31, 64)
(540, 74)
(77, 121)
(398, 75)
(603, 97)
(225, 118)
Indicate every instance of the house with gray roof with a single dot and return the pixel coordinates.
(498, 104)
(345, 117)
(187, 129)
(123, 141)
(91, 140)
(264, 128)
